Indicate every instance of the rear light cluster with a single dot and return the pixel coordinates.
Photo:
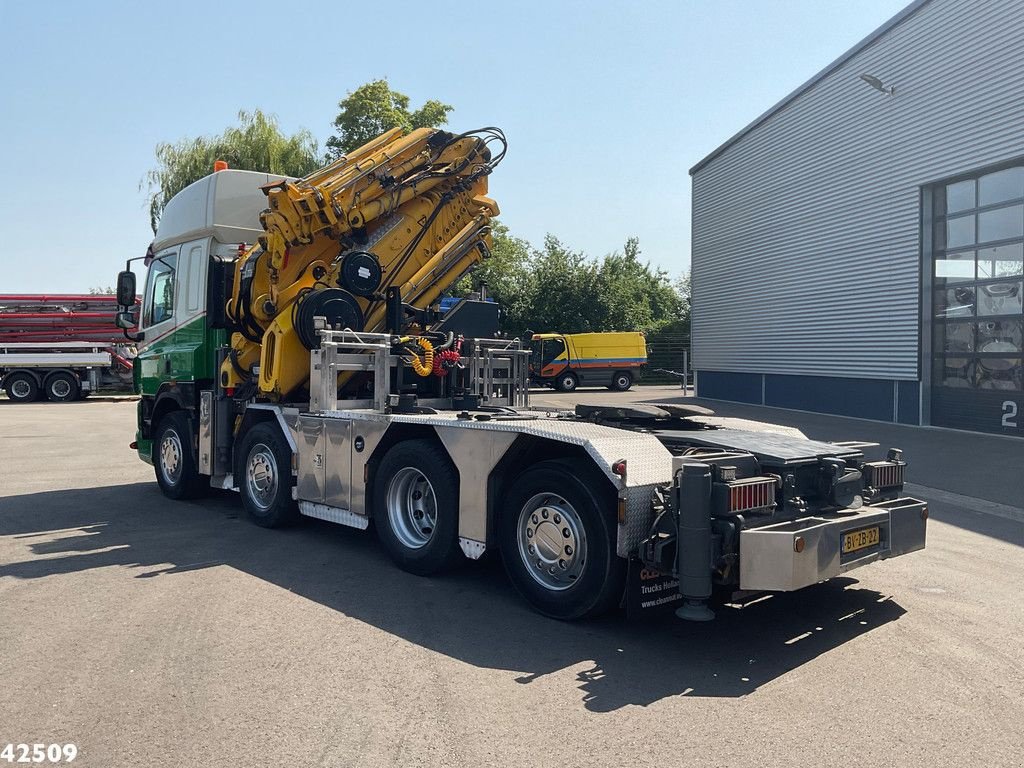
(752, 493)
(884, 474)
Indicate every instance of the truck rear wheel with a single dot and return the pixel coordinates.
(416, 507)
(621, 381)
(61, 387)
(265, 477)
(21, 388)
(557, 537)
(566, 382)
(174, 457)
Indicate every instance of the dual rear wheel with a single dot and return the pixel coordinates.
(57, 387)
(555, 530)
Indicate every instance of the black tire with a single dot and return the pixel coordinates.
(21, 388)
(621, 381)
(403, 483)
(264, 477)
(591, 577)
(174, 457)
(566, 382)
(61, 387)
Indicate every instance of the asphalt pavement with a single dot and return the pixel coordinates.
(158, 633)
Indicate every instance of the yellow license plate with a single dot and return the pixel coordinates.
(862, 539)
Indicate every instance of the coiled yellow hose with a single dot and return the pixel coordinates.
(425, 366)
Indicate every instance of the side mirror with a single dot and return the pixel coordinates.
(124, 320)
(125, 292)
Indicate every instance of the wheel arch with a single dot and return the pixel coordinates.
(525, 452)
(170, 396)
(26, 371)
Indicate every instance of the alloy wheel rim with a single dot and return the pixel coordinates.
(552, 541)
(412, 507)
(261, 476)
(170, 457)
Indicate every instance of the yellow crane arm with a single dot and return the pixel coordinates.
(407, 211)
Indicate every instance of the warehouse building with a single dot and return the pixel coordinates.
(859, 248)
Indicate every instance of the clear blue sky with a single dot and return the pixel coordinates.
(606, 104)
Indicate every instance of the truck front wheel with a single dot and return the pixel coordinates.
(566, 382)
(265, 477)
(557, 537)
(21, 388)
(416, 507)
(174, 457)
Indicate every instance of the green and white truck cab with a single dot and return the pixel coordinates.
(202, 226)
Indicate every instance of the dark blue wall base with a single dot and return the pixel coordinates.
(879, 399)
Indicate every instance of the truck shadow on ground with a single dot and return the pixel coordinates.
(471, 615)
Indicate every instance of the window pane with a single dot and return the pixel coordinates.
(955, 267)
(1000, 336)
(999, 373)
(1001, 261)
(1000, 298)
(960, 196)
(954, 338)
(959, 231)
(1002, 185)
(195, 271)
(160, 291)
(954, 302)
(1001, 224)
(954, 372)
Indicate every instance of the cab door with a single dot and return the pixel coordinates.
(158, 320)
(554, 357)
(188, 351)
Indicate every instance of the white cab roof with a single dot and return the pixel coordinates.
(225, 205)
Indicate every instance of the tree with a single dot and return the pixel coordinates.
(255, 144)
(632, 295)
(566, 292)
(374, 108)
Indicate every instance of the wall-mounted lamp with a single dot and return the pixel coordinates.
(874, 82)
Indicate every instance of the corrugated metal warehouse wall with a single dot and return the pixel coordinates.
(806, 228)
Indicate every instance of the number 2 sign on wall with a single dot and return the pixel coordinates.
(1009, 414)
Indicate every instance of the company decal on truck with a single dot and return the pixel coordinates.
(649, 591)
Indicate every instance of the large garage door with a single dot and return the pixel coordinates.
(978, 303)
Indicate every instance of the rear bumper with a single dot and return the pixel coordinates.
(769, 559)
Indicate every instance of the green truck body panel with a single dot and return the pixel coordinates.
(185, 354)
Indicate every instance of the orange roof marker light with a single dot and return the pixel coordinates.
(220, 165)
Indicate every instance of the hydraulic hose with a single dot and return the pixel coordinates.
(424, 366)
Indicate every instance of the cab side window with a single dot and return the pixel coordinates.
(552, 349)
(160, 291)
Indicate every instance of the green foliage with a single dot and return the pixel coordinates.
(508, 276)
(374, 108)
(255, 144)
(558, 289)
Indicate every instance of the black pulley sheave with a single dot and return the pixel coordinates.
(360, 273)
(339, 307)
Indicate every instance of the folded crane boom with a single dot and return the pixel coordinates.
(403, 212)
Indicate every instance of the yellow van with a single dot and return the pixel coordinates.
(566, 361)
